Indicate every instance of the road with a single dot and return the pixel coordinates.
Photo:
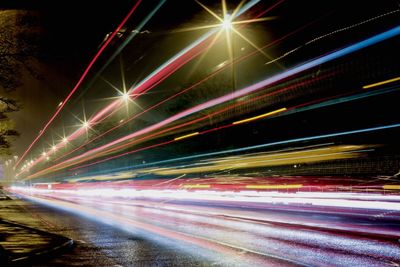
(99, 244)
(190, 233)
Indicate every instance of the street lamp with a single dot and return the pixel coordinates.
(125, 96)
(85, 124)
(227, 22)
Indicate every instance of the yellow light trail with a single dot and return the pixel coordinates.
(381, 83)
(264, 160)
(392, 186)
(260, 116)
(186, 136)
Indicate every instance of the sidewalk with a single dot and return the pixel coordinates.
(22, 241)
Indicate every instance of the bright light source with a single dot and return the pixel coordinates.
(44, 153)
(85, 124)
(227, 23)
(65, 140)
(54, 147)
(125, 96)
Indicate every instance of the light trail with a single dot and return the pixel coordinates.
(342, 227)
(270, 8)
(260, 116)
(149, 82)
(252, 88)
(203, 80)
(129, 39)
(290, 111)
(183, 91)
(248, 161)
(136, 92)
(293, 71)
(156, 76)
(125, 154)
(275, 187)
(219, 112)
(299, 108)
(381, 83)
(243, 149)
(191, 243)
(186, 136)
(334, 100)
(88, 68)
(348, 200)
(333, 33)
(391, 187)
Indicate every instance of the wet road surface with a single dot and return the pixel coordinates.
(171, 233)
(97, 244)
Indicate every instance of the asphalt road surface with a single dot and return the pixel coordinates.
(181, 233)
(98, 244)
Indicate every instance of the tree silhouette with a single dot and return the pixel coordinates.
(19, 42)
(7, 131)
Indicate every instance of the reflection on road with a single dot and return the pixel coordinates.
(262, 228)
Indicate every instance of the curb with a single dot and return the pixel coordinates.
(63, 244)
(34, 257)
